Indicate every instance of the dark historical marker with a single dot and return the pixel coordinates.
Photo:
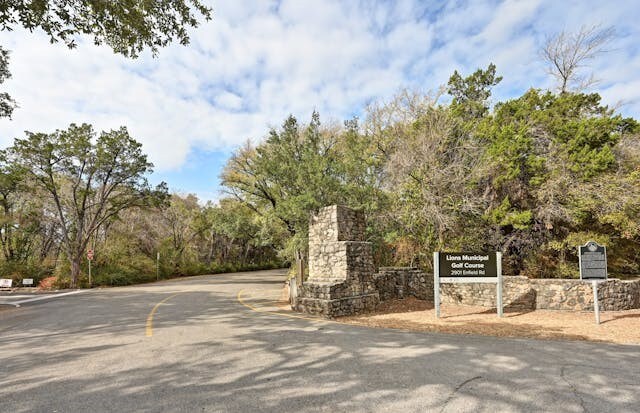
(593, 261)
(467, 264)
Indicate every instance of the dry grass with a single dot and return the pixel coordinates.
(621, 327)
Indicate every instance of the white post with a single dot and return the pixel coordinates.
(157, 266)
(89, 273)
(499, 283)
(436, 283)
(596, 306)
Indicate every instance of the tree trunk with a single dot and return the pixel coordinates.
(75, 271)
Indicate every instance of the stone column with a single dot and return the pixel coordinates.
(340, 265)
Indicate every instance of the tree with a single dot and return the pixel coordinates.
(18, 227)
(567, 53)
(431, 174)
(90, 180)
(471, 94)
(294, 172)
(7, 105)
(184, 222)
(127, 26)
(547, 156)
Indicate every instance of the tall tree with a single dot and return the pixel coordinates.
(431, 174)
(568, 53)
(294, 172)
(89, 178)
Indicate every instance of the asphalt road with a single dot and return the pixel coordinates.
(218, 344)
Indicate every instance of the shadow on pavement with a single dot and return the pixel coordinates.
(209, 353)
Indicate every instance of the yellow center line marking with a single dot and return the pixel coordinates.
(149, 330)
(257, 310)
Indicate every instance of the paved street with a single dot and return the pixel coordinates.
(219, 343)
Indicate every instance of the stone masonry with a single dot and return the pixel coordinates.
(402, 282)
(519, 293)
(522, 293)
(341, 269)
(342, 280)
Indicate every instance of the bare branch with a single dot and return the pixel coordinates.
(567, 53)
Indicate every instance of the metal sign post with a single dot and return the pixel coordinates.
(596, 306)
(157, 266)
(436, 283)
(499, 283)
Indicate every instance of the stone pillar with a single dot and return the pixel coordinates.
(340, 265)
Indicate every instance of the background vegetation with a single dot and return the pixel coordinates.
(533, 177)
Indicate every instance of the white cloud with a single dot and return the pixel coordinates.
(257, 62)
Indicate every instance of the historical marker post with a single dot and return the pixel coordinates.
(593, 267)
(436, 283)
(467, 267)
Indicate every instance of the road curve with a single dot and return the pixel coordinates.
(220, 343)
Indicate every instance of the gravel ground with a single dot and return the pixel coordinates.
(622, 327)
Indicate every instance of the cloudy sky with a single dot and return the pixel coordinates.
(257, 62)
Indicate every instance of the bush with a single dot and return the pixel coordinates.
(19, 271)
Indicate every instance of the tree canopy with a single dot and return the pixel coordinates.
(89, 178)
(127, 26)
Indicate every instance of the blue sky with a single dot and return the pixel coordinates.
(257, 62)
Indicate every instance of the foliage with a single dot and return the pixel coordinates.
(533, 177)
(471, 94)
(127, 27)
(89, 183)
(293, 173)
(7, 104)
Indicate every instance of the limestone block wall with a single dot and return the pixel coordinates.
(339, 261)
(519, 293)
(401, 282)
(522, 293)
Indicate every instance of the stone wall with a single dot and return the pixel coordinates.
(547, 294)
(401, 282)
(518, 293)
(341, 268)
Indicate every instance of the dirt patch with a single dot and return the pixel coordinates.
(621, 327)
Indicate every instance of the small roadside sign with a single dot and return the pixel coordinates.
(27, 281)
(592, 258)
(593, 261)
(90, 255)
(5, 282)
